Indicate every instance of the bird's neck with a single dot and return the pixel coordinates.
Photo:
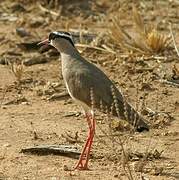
(69, 57)
(69, 54)
(66, 52)
(65, 48)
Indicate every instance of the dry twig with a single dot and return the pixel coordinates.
(3, 96)
(173, 39)
(169, 82)
(48, 11)
(93, 47)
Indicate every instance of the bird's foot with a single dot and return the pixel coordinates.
(81, 166)
(84, 158)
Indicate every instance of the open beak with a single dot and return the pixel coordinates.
(44, 42)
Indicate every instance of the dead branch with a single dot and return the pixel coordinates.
(173, 39)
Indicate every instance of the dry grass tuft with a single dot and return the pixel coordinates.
(17, 69)
(175, 70)
(145, 39)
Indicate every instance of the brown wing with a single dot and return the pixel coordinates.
(88, 77)
(85, 77)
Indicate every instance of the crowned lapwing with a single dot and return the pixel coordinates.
(85, 82)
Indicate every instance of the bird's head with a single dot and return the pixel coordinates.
(56, 36)
(59, 40)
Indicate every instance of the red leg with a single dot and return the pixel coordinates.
(85, 154)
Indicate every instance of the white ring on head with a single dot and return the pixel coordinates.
(63, 34)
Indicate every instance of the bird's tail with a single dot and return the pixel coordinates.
(125, 111)
(133, 117)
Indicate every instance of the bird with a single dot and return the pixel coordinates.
(85, 82)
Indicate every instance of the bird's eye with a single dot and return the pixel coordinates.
(52, 36)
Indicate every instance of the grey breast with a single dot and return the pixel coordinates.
(83, 78)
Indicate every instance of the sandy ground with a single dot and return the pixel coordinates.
(28, 117)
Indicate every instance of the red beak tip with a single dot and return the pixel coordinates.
(46, 41)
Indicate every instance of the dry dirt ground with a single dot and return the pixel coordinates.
(28, 117)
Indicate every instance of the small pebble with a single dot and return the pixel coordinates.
(22, 32)
(53, 178)
(6, 145)
(65, 168)
(72, 173)
(25, 103)
(3, 107)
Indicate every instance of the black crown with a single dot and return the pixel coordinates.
(61, 34)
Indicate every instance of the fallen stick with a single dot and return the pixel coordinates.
(63, 150)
